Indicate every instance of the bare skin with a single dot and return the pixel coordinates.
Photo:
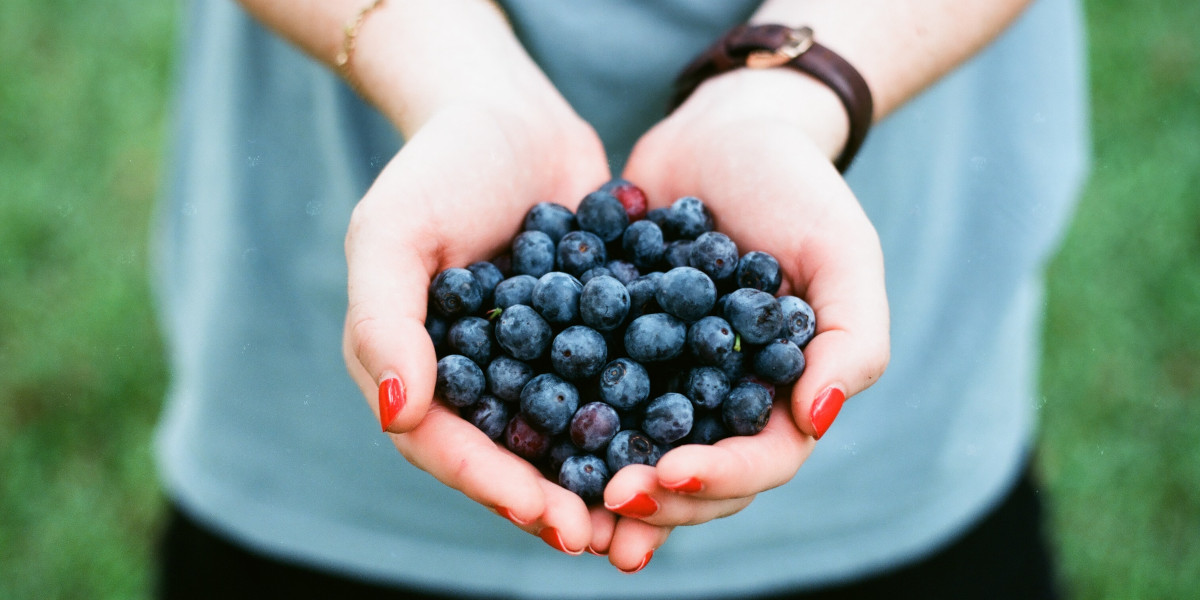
(478, 114)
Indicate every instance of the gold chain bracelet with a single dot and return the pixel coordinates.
(351, 29)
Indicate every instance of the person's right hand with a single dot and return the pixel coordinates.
(455, 194)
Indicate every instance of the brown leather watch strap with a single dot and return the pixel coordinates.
(764, 46)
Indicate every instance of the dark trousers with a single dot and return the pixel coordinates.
(1003, 556)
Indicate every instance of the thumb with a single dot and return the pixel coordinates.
(388, 352)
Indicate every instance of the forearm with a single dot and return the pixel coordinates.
(414, 57)
(899, 47)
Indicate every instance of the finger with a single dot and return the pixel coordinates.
(636, 494)
(386, 347)
(738, 465)
(603, 524)
(634, 543)
(461, 456)
(844, 283)
(694, 483)
(566, 522)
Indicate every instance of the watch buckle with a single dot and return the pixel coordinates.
(799, 41)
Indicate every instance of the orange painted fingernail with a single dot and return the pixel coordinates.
(645, 561)
(825, 409)
(640, 506)
(391, 401)
(691, 485)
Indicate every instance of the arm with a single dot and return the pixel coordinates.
(757, 146)
(477, 115)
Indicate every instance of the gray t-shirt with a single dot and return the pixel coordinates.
(265, 438)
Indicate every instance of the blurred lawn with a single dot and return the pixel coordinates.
(82, 122)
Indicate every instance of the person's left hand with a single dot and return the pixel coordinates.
(756, 147)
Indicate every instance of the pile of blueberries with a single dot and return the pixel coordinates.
(611, 335)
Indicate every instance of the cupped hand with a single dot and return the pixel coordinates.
(756, 147)
(455, 194)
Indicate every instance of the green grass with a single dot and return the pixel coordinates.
(82, 119)
(81, 368)
(1121, 378)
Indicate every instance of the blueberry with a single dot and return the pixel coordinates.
(555, 220)
(631, 197)
(623, 270)
(578, 352)
(533, 253)
(455, 292)
(488, 275)
(659, 217)
(760, 271)
(655, 337)
(586, 475)
(525, 440)
(624, 383)
(506, 377)
(517, 289)
(561, 448)
(706, 387)
(746, 409)
(490, 414)
(707, 429)
(678, 253)
(472, 338)
(593, 273)
(687, 293)
(556, 298)
(523, 333)
(632, 447)
(754, 314)
(437, 327)
(643, 244)
(780, 362)
(604, 303)
(602, 214)
(688, 218)
(715, 254)
(799, 320)
(733, 366)
(668, 418)
(594, 425)
(641, 295)
(548, 402)
(460, 382)
(579, 251)
(710, 340)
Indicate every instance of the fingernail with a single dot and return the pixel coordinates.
(591, 551)
(645, 561)
(507, 514)
(691, 485)
(640, 506)
(825, 409)
(551, 536)
(391, 401)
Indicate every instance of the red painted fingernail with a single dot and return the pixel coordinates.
(591, 551)
(551, 536)
(825, 409)
(645, 561)
(391, 401)
(507, 514)
(640, 506)
(691, 485)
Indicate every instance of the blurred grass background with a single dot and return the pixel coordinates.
(83, 120)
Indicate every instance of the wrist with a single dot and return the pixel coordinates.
(783, 95)
(414, 59)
